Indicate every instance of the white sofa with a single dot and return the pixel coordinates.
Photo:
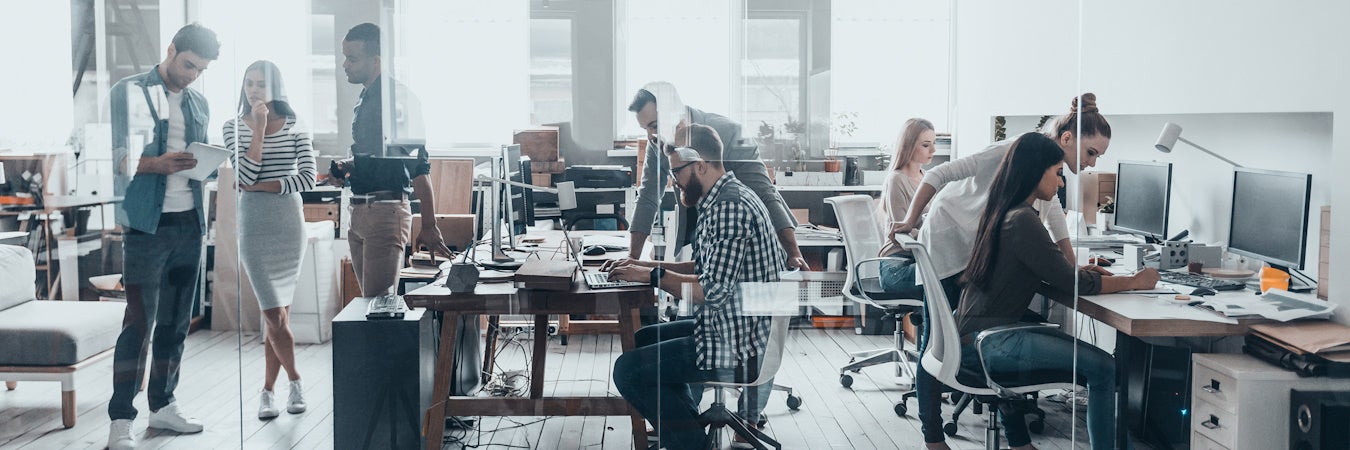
(46, 340)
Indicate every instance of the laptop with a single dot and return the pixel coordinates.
(595, 279)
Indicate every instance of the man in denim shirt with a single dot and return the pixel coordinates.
(164, 221)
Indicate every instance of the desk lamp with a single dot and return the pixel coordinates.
(1171, 133)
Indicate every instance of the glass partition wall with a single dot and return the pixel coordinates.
(789, 186)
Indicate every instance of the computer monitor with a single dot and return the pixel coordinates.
(1143, 195)
(522, 199)
(1269, 218)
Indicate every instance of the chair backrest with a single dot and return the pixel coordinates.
(856, 215)
(943, 357)
(773, 351)
(16, 263)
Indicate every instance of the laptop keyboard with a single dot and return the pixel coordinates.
(601, 279)
(1190, 279)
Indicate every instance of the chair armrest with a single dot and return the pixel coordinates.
(854, 273)
(1001, 329)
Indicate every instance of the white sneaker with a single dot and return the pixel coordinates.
(119, 435)
(171, 418)
(296, 403)
(266, 408)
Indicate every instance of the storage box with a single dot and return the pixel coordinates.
(316, 293)
(315, 212)
(351, 288)
(456, 229)
(539, 143)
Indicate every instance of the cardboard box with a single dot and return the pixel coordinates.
(541, 179)
(549, 167)
(315, 212)
(456, 229)
(539, 143)
(351, 288)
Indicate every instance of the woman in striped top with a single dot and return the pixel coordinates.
(274, 162)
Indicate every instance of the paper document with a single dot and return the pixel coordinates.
(209, 158)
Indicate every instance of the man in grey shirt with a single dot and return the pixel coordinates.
(738, 158)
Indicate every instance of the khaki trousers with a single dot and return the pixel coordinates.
(379, 233)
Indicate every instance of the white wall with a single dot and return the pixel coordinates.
(38, 107)
(1163, 58)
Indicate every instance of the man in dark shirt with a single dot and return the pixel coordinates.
(381, 180)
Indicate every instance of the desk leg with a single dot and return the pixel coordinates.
(628, 325)
(440, 391)
(1124, 353)
(540, 351)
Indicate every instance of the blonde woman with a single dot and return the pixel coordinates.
(913, 149)
(275, 162)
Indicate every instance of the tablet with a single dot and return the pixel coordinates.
(209, 158)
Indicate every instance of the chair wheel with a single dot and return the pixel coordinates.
(794, 402)
(764, 420)
(901, 409)
(846, 380)
(949, 428)
(1036, 426)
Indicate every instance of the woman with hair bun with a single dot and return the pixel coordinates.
(954, 195)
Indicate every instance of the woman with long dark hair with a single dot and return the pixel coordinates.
(957, 192)
(1014, 259)
(274, 162)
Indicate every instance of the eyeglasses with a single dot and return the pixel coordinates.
(675, 172)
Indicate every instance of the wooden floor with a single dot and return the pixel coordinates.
(831, 416)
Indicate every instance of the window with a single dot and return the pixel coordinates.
(550, 70)
(771, 71)
(685, 43)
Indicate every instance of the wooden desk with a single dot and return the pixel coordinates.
(1137, 316)
(504, 298)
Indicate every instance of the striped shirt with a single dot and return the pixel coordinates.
(288, 156)
(735, 243)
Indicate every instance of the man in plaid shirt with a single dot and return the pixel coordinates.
(734, 244)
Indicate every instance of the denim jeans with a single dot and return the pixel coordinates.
(160, 275)
(660, 381)
(751, 402)
(900, 278)
(1019, 352)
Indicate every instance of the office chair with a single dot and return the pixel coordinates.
(943, 358)
(862, 242)
(718, 416)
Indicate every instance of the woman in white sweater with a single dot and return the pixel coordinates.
(275, 162)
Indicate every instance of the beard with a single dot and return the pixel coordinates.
(690, 195)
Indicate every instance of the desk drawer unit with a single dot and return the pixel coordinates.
(1239, 402)
(1199, 442)
(1208, 420)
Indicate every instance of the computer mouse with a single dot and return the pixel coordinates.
(594, 250)
(1203, 291)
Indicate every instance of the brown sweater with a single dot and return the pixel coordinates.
(1027, 263)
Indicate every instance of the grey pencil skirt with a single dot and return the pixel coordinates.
(271, 244)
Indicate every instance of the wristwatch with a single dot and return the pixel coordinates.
(656, 274)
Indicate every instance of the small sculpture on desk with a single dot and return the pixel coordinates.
(463, 275)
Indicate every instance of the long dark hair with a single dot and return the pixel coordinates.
(272, 75)
(1018, 175)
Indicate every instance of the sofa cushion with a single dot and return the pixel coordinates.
(57, 333)
(16, 269)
